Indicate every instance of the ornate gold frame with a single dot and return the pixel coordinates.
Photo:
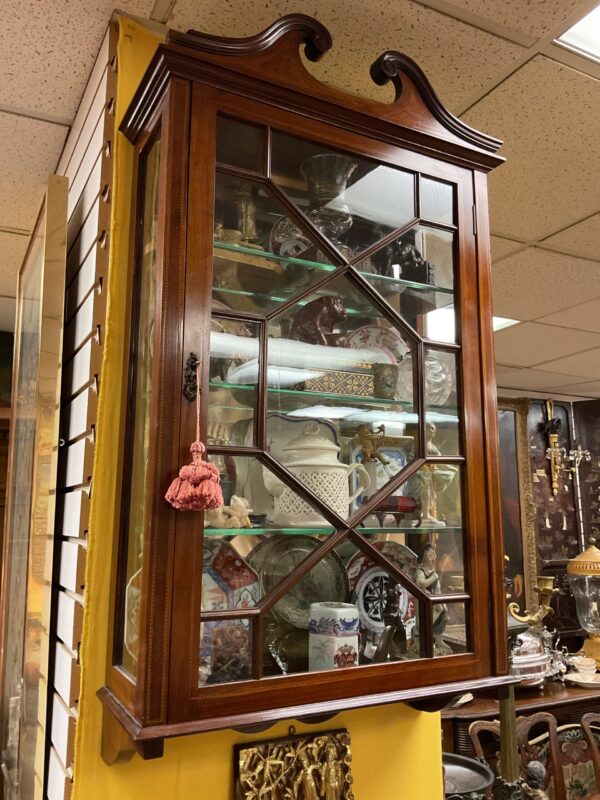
(520, 407)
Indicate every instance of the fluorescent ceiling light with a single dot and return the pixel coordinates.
(499, 323)
(584, 36)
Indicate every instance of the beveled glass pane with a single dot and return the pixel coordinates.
(259, 510)
(345, 374)
(369, 622)
(437, 201)
(141, 423)
(352, 201)
(261, 256)
(240, 144)
(440, 384)
(418, 286)
(452, 633)
(234, 360)
(225, 651)
(441, 403)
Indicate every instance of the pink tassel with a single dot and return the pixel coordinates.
(198, 486)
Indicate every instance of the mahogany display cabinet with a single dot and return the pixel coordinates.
(320, 263)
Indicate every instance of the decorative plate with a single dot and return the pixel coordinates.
(287, 238)
(370, 595)
(386, 340)
(276, 557)
(399, 554)
(438, 380)
(228, 581)
(578, 679)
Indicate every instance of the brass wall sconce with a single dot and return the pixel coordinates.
(560, 459)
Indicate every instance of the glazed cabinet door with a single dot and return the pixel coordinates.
(330, 301)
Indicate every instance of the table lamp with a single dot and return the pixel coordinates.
(583, 574)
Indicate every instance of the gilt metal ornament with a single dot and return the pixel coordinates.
(298, 767)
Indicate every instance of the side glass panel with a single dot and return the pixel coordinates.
(139, 422)
(333, 280)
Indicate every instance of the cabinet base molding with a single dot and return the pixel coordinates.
(123, 735)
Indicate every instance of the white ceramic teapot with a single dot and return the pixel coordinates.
(313, 459)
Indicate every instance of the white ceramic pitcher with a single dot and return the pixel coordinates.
(313, 459)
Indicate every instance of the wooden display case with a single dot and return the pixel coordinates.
(325, 260)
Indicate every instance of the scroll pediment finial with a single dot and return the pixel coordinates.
(317, 39)
(397, 67)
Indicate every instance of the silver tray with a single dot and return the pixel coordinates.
(463, 775)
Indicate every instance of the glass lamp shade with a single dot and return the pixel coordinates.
(583, 573)
(586, 590)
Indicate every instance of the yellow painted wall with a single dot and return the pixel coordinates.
(396, 751)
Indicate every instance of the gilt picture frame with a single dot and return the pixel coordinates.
(518, 508)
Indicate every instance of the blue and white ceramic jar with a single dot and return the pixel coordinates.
(332, 636)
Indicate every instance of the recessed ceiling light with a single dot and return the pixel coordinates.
(499, 323)
(584, 36)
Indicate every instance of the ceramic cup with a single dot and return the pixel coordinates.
(332, 636)
(585, 666)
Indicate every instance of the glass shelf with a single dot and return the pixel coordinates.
(324, 531)
(249, 255)
(294, 394)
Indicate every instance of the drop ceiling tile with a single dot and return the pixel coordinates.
(29, 153)
(588, 389)
(7, 313)
(582, 239)
(502, 369)
(53, 46)
(535, 18)
(530, 343)
(535, 282)
(457, 58)
(532, 379)
(12, 251)
(584, 317)
(552, 172)
(587, 364)
(504, 247)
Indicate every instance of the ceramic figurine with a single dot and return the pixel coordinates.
(333, 636)
(314, 323)
(427, 578)
(430, 481)
(392, 645)
(235, 515)
(535, 778)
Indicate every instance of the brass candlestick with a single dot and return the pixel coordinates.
(545, 591)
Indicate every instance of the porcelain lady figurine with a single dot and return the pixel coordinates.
(428, 579)
(430, 481)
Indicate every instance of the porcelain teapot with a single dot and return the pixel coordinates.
(313, 459)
